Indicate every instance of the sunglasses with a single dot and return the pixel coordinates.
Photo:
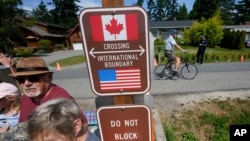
(30, 78)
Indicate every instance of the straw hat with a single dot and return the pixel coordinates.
(8, 89)
(31, 66)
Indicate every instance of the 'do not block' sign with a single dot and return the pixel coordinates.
(121, 123)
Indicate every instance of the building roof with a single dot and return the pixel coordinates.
(72, 30)
(239, 27)
(171, 24)
(42, 33)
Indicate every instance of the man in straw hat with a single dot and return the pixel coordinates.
(35, 80)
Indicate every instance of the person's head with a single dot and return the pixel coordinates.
(173, 33)
(202, 37)
(33, 76)
(56, 119)
(9, 97)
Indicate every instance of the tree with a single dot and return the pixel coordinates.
(8, 10)
(171, 8)
(162, 10)
(41, 13)
(214, 30)
(140, 2)
(227, 9)
(159, 12)
(211, 28)
(233, 39)
(204, 9)
(243, 11)
(151, 6)
(182, 13)
(65, 12)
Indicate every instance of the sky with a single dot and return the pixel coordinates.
(31, 4)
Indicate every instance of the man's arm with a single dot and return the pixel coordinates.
(203, 43)
(182, 50)
(7, 62)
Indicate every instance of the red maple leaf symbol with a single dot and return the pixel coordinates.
(114, 27)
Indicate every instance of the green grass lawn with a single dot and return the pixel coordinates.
(212, 55)
(69, 61)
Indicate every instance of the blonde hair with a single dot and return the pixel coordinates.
(15, 103)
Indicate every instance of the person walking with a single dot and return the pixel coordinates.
(169, 51)
(201, 50)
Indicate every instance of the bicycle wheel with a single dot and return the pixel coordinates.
(189, 71)
(161, 72)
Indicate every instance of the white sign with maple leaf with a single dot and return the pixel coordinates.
(115, 27)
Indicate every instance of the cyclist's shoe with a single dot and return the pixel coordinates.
(174, 77)
(175, 73)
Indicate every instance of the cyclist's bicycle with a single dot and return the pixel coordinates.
(165, 71)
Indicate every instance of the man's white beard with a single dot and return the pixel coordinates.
(32, 94)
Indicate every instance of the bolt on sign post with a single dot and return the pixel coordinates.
(116, 47)
(125, 123)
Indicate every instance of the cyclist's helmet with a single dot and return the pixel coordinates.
(173, 31)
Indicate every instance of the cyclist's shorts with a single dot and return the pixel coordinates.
(169, 54)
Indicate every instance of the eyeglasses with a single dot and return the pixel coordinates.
(31, 78)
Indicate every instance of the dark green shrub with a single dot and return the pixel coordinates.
(217, 58)
(25, 50)
(44, 45)
(233, 39)
(234, 57)
(59, 46)
(213, 57)
(156, 58)
(159, 41)
(248, 55)
(163, 59)
(226, 57)
(193, 57)
(206, 56)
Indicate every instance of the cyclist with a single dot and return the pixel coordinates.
(169, 51)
